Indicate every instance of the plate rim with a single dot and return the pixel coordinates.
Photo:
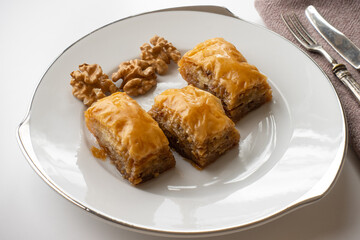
(24, 142)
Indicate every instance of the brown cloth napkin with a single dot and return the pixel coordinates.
(342, 14)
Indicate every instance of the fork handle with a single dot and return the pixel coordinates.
(347, 79)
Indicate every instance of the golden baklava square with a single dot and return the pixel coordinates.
(219, 68)
(195, 123)
(131, 138)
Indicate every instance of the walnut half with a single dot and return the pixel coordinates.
(139, 86)
(138, 77)
(169, 49)
(160, 54)
(90, 83)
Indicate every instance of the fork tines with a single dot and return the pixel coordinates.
(297, 29)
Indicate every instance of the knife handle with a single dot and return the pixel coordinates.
(347, 79)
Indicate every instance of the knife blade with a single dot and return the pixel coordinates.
(347, 49)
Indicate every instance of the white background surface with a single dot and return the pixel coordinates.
(32, 35)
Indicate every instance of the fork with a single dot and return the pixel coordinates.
(304, 38)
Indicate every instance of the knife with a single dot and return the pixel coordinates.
(347, 49)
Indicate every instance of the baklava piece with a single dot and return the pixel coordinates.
(219, 68)
(130, 137)
(195, 123)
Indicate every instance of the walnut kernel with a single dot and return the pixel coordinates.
(170, 50)
(90, 83)
(160, 54)
(139, 86)
(135, 74)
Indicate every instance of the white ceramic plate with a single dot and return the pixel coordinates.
(290, 152)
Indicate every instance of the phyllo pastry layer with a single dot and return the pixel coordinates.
(130, 137)
(195, 123)
(218, 67)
